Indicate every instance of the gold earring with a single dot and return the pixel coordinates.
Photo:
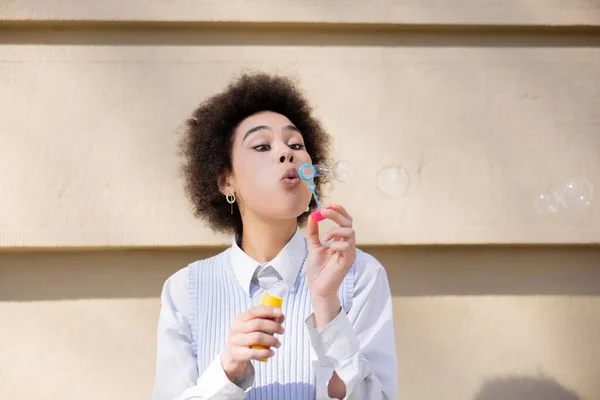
(230, 199)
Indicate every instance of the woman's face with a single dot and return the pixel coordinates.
(267, 151)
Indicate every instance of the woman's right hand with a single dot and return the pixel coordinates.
(254, 327)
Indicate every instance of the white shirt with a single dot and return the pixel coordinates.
(359, 346)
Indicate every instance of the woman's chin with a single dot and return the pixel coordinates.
(287, 214)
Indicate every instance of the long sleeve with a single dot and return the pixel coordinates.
(176, 367)
(359, 346)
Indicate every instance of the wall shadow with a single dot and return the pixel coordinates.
(492, 270)
(525, 388)
(94, 274)
(412, 271)
(224, 34)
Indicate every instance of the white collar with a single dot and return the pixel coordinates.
(287, 263)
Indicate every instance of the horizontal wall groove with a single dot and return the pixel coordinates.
(301, 34)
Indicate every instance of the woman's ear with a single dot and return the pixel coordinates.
(225, 183)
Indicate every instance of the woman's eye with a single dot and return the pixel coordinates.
(262, 147)
(297, 146)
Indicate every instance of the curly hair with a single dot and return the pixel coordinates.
(206, 144)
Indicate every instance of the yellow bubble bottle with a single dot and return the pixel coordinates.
(272, 298)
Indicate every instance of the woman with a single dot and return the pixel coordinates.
(242, 150)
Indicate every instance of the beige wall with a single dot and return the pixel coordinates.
(482, 122)
(484, 103)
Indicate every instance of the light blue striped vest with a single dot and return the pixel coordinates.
(215, 298)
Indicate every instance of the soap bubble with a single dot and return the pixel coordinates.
(577, 193)
(344, 171)
(392, 181)
(546, 202)
(321, 170)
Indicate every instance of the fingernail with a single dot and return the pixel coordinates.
(317, 216)
(277, 311)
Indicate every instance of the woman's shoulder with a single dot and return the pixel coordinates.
(366, 262)
(366, 267)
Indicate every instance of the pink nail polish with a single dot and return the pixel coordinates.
(317, 216)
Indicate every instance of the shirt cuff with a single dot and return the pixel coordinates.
(215, 383)
(336, 343)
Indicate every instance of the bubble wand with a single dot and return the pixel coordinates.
(307, 173)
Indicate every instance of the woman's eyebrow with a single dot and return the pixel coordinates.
(291, 128)
(252, 130)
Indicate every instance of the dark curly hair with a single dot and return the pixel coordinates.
(207, 141)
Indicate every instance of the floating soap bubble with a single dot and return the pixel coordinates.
(344, 171)
(546, 202)
(577, 193)
(392, 181)
(321, 170)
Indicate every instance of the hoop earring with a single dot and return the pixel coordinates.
(230, 199)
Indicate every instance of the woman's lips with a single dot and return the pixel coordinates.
(291, 182)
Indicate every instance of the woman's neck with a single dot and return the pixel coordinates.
(263, 240)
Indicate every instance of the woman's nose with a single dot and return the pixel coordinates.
(286, 155)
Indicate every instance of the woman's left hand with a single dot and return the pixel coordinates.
(326, 266)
